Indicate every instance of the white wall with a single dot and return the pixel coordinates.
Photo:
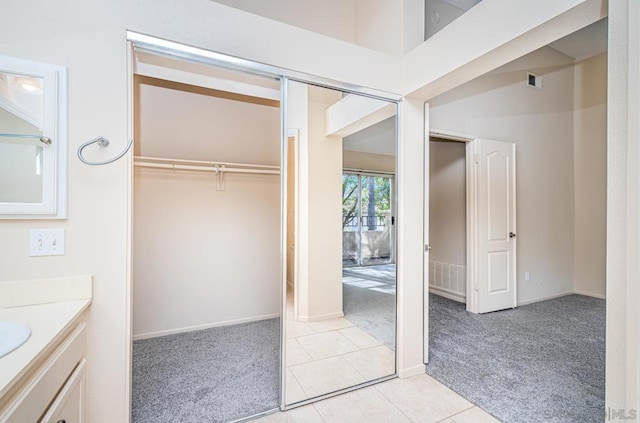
(447, 202)
(373, 24)
(185, 125)
(193, 243)
(447, 219)
(320, 170)
(411, 295)
(379, 25)
(318, 288)
(540, 122)
(623, 207)
(590, 173)
(204, 257)
(368, 161)
(334, 18)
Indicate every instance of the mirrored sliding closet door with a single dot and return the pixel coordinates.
(340, 313)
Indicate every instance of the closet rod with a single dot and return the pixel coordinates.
(206, 166)
(200, 162)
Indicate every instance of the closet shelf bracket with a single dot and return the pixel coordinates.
(220, 172)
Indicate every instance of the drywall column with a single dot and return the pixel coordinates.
(590, 175)
(411, 141)
(325, 214)
(623, 185)
(298, 118)
(319, 284)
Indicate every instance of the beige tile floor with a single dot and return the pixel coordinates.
(419, 399)
(323, 357)
(326, 356)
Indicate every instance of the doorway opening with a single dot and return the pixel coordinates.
(448, 218)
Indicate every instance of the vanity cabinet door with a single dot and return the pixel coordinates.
(68, 407)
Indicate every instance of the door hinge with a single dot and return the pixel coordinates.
(476, 158)
(393, 220)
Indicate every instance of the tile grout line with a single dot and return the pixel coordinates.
(313, 404)
(390, 401)
(299, 384)
(305, 350)
(459, 412)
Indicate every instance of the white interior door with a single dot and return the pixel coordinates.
(493, 226)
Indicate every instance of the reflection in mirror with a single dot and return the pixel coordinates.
(341, 278)
(21, 152)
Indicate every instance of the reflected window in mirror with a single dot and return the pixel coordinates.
(32, 140)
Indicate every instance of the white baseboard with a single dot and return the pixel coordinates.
(549, 297)
(590, 294)
(205, 326)
(420, 369)
(320, 317)
(447, 294)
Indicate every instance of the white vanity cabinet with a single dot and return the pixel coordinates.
(52, 389)
(68, 406)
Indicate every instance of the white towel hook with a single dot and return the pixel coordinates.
(103, 142)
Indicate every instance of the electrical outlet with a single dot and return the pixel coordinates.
(527, 277)
(46, 242)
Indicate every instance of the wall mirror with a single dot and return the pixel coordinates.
(340, 329)
(32, 140)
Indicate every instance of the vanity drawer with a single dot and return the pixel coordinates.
(41, 389)
(68, 406)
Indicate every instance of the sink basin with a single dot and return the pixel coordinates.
(12, 335)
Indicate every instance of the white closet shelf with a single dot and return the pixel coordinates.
(204, 166)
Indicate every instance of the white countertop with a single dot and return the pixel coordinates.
(47, 321)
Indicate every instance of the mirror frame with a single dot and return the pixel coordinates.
(54, 169)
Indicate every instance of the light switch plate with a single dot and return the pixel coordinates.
(46, 242)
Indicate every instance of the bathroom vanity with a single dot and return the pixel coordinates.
(43, 380)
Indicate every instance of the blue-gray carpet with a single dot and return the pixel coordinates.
(213, 375)
(373, 312)
(370, 302)
(541, 362)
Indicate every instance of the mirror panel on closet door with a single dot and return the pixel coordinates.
(206, 278)
(341, 278)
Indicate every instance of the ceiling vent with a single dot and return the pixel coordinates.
(534, 80)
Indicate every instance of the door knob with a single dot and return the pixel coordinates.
(512, 235)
